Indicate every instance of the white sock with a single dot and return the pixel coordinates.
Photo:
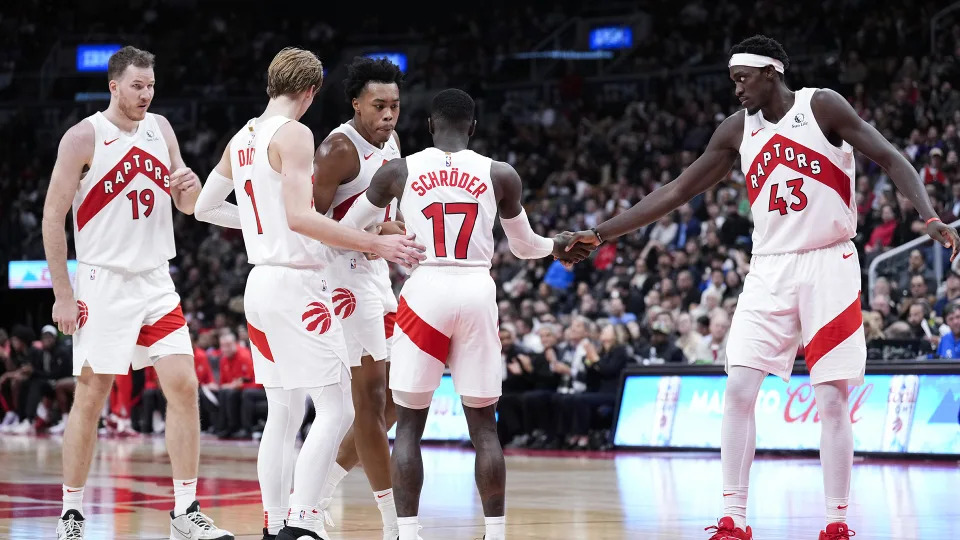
(388, 510)
(336, 475)
(738, 440)
(72, 499)
(304, 517)
(496, 528)
(273, 519)
(409, 528)
(184, 493)
(836, 447)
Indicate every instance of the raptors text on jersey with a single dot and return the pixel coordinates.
(122, 211)
(800, 185)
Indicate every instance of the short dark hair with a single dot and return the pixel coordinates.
(125, 57)
(365, 70)
(453, 105)
(951, 307)
(763, 45)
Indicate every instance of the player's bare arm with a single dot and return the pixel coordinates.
(290, 152)
(335, 162)
(73, 156)
(838, 119)
(705, 172)
(184, 183)
(387, 184)
(212, 206)
(523, 241)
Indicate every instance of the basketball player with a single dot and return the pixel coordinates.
(363, 298)
(115, 167)
(796, 151)
(447, 313)
(298, 345)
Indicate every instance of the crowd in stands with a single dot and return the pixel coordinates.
(665, 294)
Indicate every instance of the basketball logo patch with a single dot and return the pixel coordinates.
(317, 317)
(344, 302)
(84, 313)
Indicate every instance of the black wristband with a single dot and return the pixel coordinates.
(594, 230)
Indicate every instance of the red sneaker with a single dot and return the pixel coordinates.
(837, 531)
(725, 530)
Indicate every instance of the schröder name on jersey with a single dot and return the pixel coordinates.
(788, 154)
(451, 178)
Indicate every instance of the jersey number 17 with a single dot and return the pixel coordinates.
(436, 212)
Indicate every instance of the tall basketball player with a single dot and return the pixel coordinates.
(115, 167)
(796, 151)
(447, 313)
(363, 298)
(298, 344)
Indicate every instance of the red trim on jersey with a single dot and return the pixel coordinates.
(341, 209)
(152, 333)
(834, 333)
(259, 340)
(388, 321)
(427, 338)
(830, 175)
(135, 160)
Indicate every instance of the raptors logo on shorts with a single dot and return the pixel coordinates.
(84, 313)
(344, 302)
(317, 317)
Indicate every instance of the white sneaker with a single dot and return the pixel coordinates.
(25, 427)
(10, 418)
(158, 424)
(325, 516)
(59, 428)
(70, 526)
(194, 525)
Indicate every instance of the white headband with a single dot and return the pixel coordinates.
(755, 60)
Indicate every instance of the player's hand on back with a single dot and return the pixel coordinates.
(65, 314)
(400, 248)
(184, 180)
(946, 235)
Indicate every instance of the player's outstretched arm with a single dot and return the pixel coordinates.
(523, 241)
(836, 116)
(184, 183)
(212, 206)
(708, 169)
(75, 152)
(387, 184)
(294, 144)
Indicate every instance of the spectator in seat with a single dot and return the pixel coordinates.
(950, 343)
(881, 305)
(51, 379)
(932, 172)
(713, 348)
(538, 416)
(236, 375)
(688, 339)
(209, 403)
(882, 235)
(617, 312)
(660, 347)
(917, 266)
(688, 227)
(13, 382)
(951, 292)
(517, 379)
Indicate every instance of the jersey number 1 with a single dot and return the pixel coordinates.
(436, 212)
(248, 189)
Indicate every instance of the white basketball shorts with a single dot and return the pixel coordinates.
(295, 339)
(127, 318)
(364, 302)
(447, 317)
(810, 298)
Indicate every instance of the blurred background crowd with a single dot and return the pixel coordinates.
(589, 137)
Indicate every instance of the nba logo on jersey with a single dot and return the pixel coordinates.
(93, 274)
(449, 160)
(323, 284)
(353, 264)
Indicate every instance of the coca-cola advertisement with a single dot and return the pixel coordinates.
(890, 413)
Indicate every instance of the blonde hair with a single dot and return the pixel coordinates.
(293, 71)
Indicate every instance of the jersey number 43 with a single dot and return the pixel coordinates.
(779, 204)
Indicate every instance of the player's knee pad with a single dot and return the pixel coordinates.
(412, 400)
(478, 402)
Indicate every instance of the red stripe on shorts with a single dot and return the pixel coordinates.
(834, 333)
(427, 338)
(259, 340)
(388, 321)
(152, 333)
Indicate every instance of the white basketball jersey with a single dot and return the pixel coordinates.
(800, 186)
(371, 159)
(259, 191)
(449, 203)
(122, 212)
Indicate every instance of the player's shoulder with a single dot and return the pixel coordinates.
(730, 132)
(825, 99)
(337, 144)
(293, 130)
(79, 139)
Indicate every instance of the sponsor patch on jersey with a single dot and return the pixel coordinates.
(799, 120)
